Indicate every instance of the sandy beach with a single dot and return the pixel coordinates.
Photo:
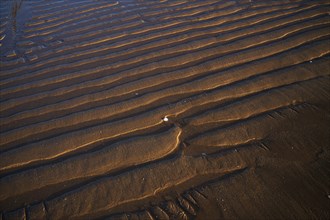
(164, 109)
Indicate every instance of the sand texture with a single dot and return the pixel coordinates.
(164, 109)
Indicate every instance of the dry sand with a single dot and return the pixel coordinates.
(165, 109)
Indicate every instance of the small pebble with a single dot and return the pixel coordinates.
(165, 118)
(311, 61)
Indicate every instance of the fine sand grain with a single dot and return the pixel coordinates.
(165, 109)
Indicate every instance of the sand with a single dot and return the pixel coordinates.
(167, 109)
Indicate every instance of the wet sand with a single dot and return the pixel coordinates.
(171, 109)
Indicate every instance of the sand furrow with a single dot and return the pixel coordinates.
(271, 100)
(40, 7)
(187, 28)
(64, 12)
(66, 23)
(89, 42)
(195, 43)
(135, 87)
(177, 39)
(125, 23)
(94, 114)
(66, 143)
(128, 11)
(85, 34)
(83, 203)
(47, 11)
(62, 26)
(118, 156)
(209, 17)
(183, 59)
(217, 28)
(239, 125)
